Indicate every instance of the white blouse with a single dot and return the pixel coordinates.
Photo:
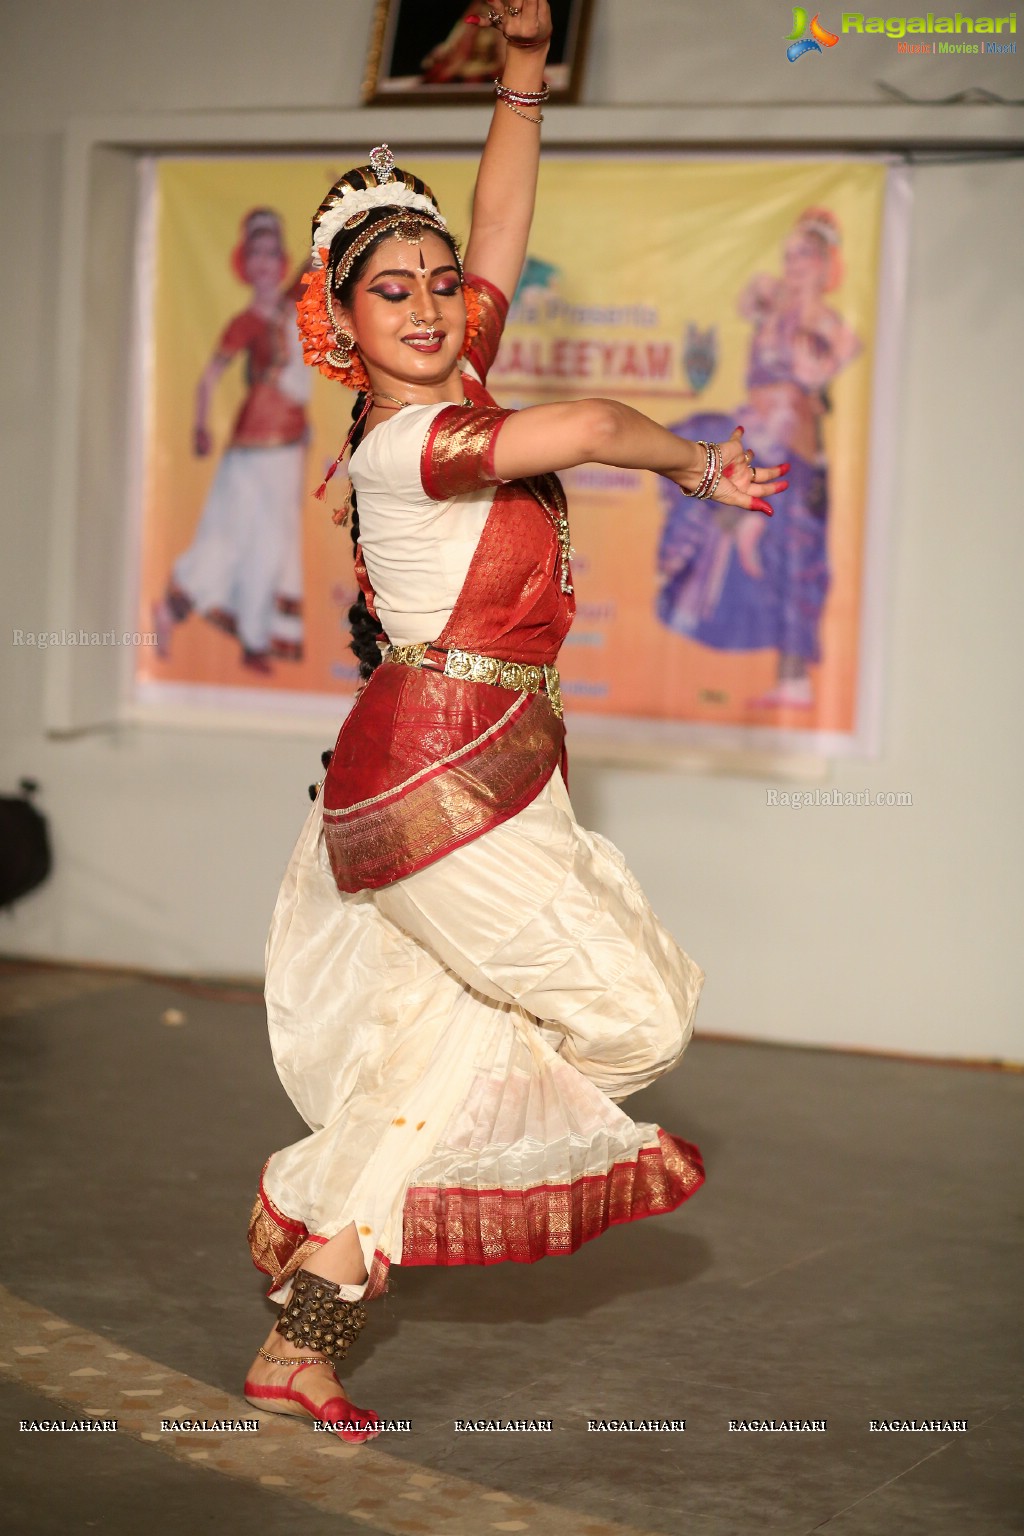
(417, 550)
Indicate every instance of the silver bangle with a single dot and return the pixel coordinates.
(705, 480)
(523, 98)
(721, 460)
(524, 115)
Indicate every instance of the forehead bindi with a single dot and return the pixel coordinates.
(425, 255)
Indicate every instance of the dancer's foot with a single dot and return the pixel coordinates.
(163, 624)
(257, 661)
(788, 693)
(305, 1390)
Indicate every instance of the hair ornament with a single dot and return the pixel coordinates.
(382, 163)
(346, 205)
(821, 221)
(261, 221)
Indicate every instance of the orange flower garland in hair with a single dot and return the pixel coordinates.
(318, 338)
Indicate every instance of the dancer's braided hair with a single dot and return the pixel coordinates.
(365, 628)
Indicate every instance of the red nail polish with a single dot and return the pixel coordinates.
(784, 467)
(783, 485)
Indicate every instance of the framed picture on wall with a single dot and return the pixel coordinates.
(434, 53)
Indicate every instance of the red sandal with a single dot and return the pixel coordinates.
(343, 1416)
(317, 1318)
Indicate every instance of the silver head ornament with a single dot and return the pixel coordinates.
(382, 162)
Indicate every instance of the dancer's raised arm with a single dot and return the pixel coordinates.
(506, 184)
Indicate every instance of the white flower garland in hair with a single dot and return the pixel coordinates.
(392, 194)
(828, 232)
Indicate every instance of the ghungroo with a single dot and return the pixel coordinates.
(316, 1316)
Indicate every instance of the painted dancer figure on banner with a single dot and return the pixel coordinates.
(243, 569)
(462, 982)
(470, 54)
(736, 581)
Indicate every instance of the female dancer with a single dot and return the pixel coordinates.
(732, 581)
(462, 982)
(243, 570)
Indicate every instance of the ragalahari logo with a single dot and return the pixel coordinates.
(981, 33)
(799, 44)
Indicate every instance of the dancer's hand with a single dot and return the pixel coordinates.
(742, 483)
(527, 25)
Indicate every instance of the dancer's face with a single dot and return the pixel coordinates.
(263, 262)
(402, 280)
(805, 269)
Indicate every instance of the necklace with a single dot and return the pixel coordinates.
(382, 394)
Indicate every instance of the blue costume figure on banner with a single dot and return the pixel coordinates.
(734, 580)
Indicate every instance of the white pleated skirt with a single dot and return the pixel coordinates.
(247, 549)
(458, 1043)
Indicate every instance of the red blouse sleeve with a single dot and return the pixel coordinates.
(239, 333)
(458, 450)
(493, 314)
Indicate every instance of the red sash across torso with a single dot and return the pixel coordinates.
(425, 763)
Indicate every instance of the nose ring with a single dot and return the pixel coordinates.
(431, 329)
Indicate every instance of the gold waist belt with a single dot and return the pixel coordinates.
(471, 666)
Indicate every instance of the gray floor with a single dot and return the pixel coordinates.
(855, 1254)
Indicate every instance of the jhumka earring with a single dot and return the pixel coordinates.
(340, 356)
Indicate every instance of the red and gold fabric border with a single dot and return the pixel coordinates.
(458, 450)
(280, 1246)
(460, 756)
(494, 1226)
(449, 803)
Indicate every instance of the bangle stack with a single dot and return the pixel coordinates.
(516, 100)
(712, 471)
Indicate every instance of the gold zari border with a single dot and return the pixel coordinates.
(381, 840)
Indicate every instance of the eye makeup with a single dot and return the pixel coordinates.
(394, 295)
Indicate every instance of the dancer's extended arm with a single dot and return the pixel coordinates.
(552, 437)
(506, 183)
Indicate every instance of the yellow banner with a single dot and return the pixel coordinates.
(707, 293)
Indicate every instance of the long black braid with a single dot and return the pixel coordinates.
(365, 628)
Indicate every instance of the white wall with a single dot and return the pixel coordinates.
(886, 927)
